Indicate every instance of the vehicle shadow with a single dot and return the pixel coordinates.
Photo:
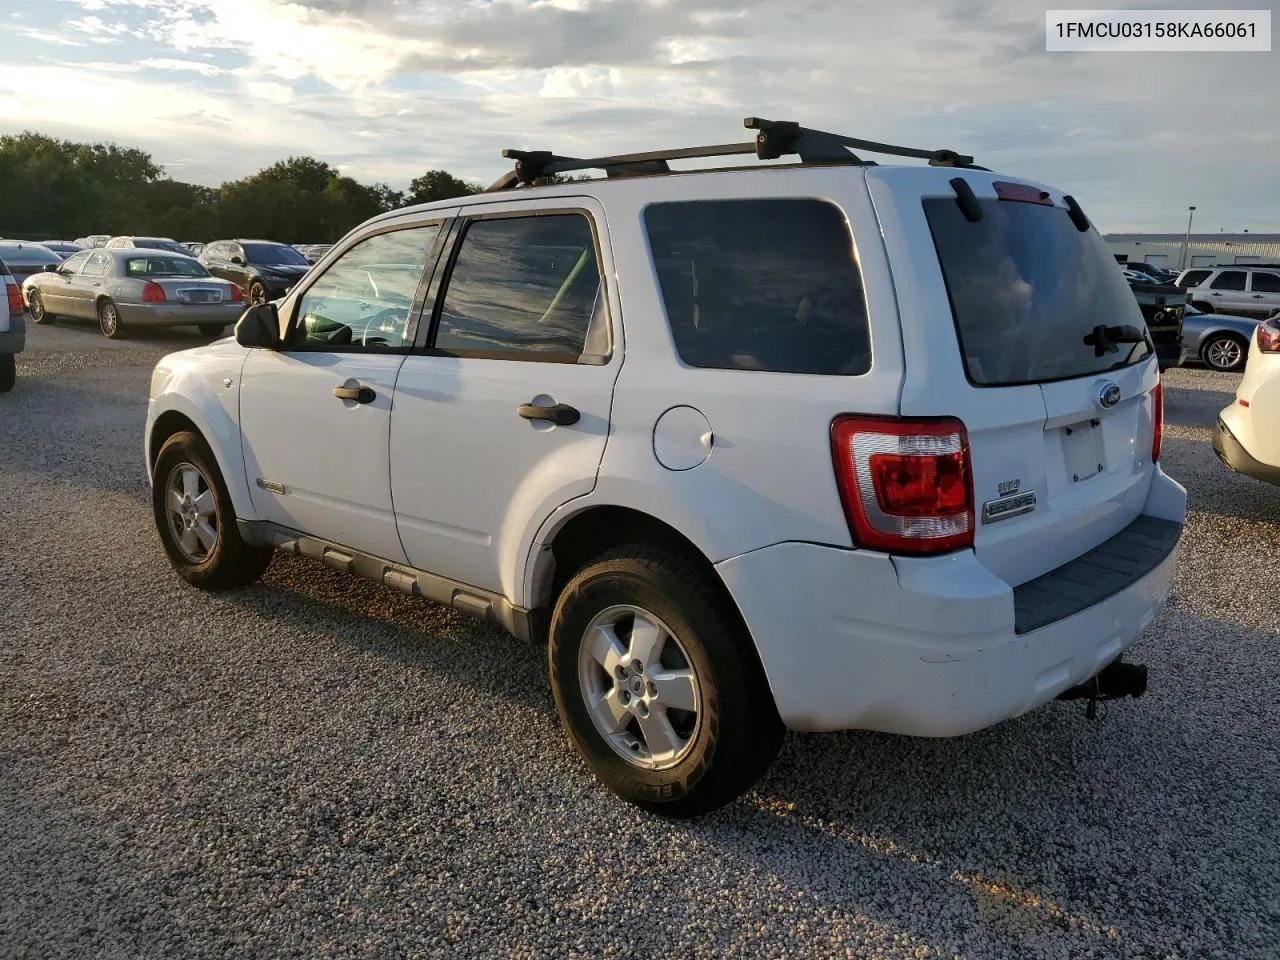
(1214, 488)
(957, 823)
(1194, 408)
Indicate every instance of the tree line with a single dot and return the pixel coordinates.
(58, 190)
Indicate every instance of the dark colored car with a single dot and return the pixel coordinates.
(264, 270)
(25, 259)
(63, 248)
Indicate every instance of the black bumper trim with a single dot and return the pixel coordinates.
(1092, 577)
(1233, 454)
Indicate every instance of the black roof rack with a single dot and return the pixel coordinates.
(774, 139)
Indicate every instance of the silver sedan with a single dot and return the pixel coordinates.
(134, 288)
(1218, 340)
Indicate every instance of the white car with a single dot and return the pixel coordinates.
(13, 330)
(1247, 438)
(822, 446)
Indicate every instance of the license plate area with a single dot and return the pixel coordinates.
(1083, 450)
(199, 296)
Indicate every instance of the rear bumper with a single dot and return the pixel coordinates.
(14, 340)
(936, 646)
(1233, 454)
(179, 314)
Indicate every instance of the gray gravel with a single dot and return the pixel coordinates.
(318, 767)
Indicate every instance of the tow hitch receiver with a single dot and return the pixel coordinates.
(1116, 680)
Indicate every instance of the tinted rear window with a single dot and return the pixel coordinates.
(163, 267)
(1026, 287)
(768, 284)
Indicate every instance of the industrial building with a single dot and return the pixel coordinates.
(1205, 249)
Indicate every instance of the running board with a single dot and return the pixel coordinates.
(491, 607)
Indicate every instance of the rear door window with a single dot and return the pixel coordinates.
(1229, 280)
(97, 265)
(526, 288)
(765, 284)
(1026, 288)
(1266, 282)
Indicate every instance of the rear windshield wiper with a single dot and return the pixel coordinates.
(1105, 339)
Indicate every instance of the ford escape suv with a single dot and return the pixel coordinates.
(814, 445)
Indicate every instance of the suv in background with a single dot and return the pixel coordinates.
(147, 243)
(1248, 289)
(878, 449)
(13, 329)
(263, 269)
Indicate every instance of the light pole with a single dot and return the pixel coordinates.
(1186, 241)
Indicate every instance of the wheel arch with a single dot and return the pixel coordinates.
(570, 540)
(178, 412)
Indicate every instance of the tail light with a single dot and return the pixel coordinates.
(153, 292)
(237, 295)
(906, 485)
(1157, 421)
(1269, 335)
(14, 294)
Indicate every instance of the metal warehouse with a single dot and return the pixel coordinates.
(1204, 250)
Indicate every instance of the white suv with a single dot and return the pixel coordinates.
(1251, 289)
(13, 330)
(822, 446)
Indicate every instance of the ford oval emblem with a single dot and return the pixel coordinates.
(1108, 395)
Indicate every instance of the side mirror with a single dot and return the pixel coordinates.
(238, 261)
(259, 326)
(52, 268)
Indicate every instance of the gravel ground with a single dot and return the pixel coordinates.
(318, 767)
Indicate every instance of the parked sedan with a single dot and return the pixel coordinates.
(263, 270)
(1218, 340)
(25, 259)
(122, 288)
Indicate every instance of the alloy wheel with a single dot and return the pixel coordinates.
(1224, 353)
(192, 511)
(640, 688)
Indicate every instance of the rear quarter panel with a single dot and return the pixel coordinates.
(769, 475)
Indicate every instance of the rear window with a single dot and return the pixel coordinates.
(1026, 288)
(164, 267)
(768, 284)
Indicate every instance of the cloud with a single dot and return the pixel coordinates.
(388, 88)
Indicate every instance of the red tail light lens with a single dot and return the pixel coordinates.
(906, 485)
(14, 294)
(152, 293)
(1269, 335)
(237, 295)
(1157, 421)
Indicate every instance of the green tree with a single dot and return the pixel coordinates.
(439, 185)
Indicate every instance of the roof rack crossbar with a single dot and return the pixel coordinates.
(774, 139)
(778, 137)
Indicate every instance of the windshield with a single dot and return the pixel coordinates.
(1026, 288)
(163, 267)
(272, 253)
(27, 253)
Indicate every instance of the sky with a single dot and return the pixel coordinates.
(386, 89)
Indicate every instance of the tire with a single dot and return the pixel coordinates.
(718, 750)
(1204, 306)
(36, 306)
(256, 293)
(8, 372)
(1225, 352)
(109, 321)
(223, 561)
(212, 329)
